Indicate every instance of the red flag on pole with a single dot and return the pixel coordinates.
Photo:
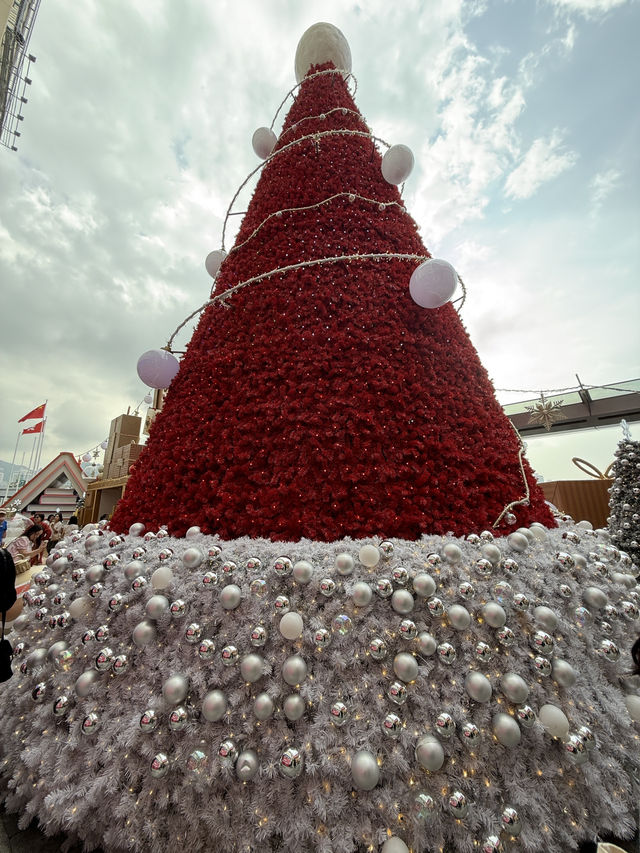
(33, 429)
(33, 415)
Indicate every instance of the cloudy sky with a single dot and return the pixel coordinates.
(522, 116)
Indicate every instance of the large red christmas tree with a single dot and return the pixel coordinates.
(324, 402)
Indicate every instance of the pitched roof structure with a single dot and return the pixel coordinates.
(64, 467)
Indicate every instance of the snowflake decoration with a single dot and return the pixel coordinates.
(545, 413)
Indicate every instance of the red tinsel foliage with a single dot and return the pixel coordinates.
(325, 403)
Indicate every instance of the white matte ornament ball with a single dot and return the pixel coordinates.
(364, 770)
(302, 571)
(451, 552)
(405, 667)
(345, 564)
(397, 164)
(361, 594)
(492, 553)
(506, 729)
(144, 633)
(251, 667)
(394, 845)
(553, 720)
(633, 707)
(157, 367)
(432, 284)
(291, 625)
(79, 607)
(494, 614)
(157, 606)
(247, 765)
(263, 142)
(369, 556)
(192, 532)
(85, 682)
(563, 673)
(294, 670)
(230, 596)
(175, 689)
(459, 617)
(518, 542)
(319, 44)
(214, 706)
(595, 597)
(136, 529)
(212, 264)
(478, 686)
(402, 601)
(429, 753)
(514, 687)
(263, 706)
(293, 707)
(546, 617)
(192, 557)
(424, 585)
(427, 644)
(162, 578)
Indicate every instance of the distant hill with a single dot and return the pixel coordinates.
(5, 470)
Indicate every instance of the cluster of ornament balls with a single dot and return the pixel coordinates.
(364, 767)
(624, 524)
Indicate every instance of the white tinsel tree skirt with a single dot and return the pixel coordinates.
(248, 696)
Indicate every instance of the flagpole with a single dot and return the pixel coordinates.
(6, 491)
(33, 447)
(44, 426)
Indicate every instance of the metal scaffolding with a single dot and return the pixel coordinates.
(15, 68)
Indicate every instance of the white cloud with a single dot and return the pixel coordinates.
(544, 161)
(601, 186)
(587, 7)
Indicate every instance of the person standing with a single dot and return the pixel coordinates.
(3, 526)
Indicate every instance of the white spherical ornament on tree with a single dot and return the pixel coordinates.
(429, 753)
(364, 770)
(214, 706)
(251, 667)
(633, 707)
(478, 686)
(361, 594)
(514, 687)
(291, 625)
(157, 367)
(402, 601)
(263, 706)
(157, 606)
(214, 259)
(424, 585)
(162, 578)
(546, 617)
(319, 44)
(506, 730)
(394, 845)
(563, 673)
(459, 617)
(553, 720)
(294, 670)
(494, 614)
(263, 142)
(175, 689)
(405, 667)
(302, 571)
(433, 283)
(293, 707)
(369, 556)
(397, 164)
